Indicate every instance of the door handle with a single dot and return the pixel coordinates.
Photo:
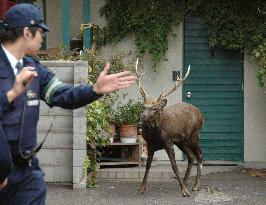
(189, 95)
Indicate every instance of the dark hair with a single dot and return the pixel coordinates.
(11, 35)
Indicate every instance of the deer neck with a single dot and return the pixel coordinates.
(154, 122)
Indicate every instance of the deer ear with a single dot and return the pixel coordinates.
(163, 103)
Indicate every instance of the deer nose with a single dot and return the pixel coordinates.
(143, 116)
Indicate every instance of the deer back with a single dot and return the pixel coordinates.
(174, 123)
(181, 119)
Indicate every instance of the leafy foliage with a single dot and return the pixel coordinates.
(259, 54)
(237, 24)
(100, 113)
(129, 113)
(97, 127)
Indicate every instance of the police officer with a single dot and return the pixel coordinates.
(23, 81)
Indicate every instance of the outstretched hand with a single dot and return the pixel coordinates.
(108, 83)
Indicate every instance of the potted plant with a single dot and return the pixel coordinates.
(128, 119)
(110, 116)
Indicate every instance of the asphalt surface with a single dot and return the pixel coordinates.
(237, 187)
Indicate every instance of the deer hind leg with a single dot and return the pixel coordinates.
(171, 154)
(142, 188)
(197, 151)
(187, 151)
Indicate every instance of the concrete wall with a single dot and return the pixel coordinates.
(53, 20)
(64, 151)
(254, 115)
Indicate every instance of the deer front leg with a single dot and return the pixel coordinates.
(142, 188)
(171, 154)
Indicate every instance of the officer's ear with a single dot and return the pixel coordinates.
(27, 33)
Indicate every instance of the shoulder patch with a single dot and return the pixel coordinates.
(50, 89)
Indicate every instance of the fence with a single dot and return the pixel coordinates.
(64, 151)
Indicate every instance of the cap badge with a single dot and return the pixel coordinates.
(32, 22)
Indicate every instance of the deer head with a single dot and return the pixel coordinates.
(154, 106)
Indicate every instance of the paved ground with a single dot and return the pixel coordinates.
(236, 187)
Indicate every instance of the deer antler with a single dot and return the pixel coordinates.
(142, 91)
(177, 83)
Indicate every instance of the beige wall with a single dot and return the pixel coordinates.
(254, 116)
(53, 19)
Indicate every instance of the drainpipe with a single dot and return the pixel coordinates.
(86, 21)
(65, 22)
(44, 17)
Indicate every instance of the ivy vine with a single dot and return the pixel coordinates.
(237, 24)
(150, 20)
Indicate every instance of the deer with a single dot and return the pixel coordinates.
(163, 127)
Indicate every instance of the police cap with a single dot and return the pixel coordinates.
(24, 15)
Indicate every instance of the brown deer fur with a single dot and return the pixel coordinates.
(162, 128)
(179, 125)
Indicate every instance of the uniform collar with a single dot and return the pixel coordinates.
(12, 59)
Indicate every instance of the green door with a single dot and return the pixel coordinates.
(216, 86)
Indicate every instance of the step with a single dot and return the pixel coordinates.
(159, 172)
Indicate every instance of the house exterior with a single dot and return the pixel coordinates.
(223, 83)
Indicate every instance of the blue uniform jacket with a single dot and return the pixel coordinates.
(44, 87)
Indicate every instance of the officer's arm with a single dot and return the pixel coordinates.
(5, 155)
(69, 97)
(56, 93)
(5, 103)
(5, 159)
